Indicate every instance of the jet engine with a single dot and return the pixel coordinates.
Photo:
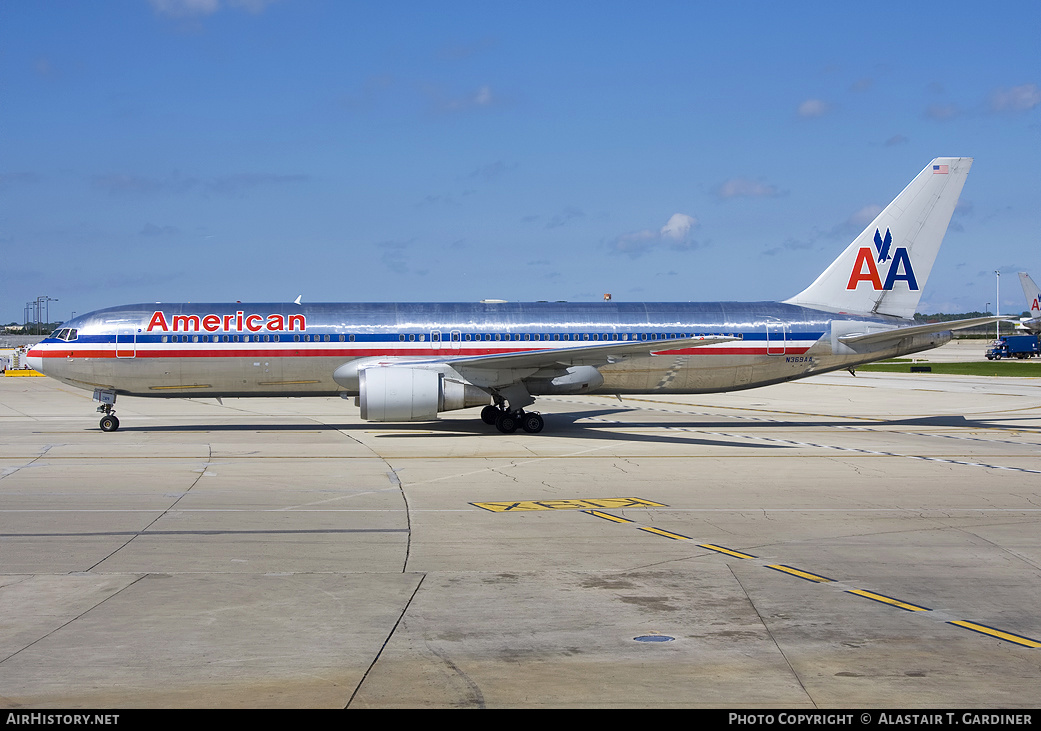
(412, 394)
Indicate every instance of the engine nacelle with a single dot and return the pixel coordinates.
(412, 394)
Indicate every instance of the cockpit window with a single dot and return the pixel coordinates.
(66, 333)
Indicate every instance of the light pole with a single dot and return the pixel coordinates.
(997, 305)
(41, 302)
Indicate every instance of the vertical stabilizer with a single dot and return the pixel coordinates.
(1032, 293)
(885, 268)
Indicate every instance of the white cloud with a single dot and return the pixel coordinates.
(678, 226)
(196, 8)
(676, 233)
(814, 108)
(864, 216)
(185, 8)
(942, 112)
(746, 188)
(1017, 99)
(562, 218)
(482, 97)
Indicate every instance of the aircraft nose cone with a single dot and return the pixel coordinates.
(33, 360)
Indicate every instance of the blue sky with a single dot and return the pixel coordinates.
(256, 150)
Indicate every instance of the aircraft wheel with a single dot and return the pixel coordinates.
(489, 414)
(532, 423)
(109, 423)
(507, 423)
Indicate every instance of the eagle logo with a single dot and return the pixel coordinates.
(882, 245)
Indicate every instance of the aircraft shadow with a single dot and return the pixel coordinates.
(571, 424)
(560, 425)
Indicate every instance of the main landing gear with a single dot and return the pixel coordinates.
(509, 421)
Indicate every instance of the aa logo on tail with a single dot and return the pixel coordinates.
(865, 268)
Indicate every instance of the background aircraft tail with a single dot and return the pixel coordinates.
(885, 268)
(1032, 293)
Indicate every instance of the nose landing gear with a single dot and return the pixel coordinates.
(109, 422)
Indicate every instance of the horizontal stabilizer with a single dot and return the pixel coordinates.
(899, 333)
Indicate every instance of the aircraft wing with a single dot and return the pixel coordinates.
(594, 355)
(899, 333)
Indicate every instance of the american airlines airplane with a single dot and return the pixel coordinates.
(408, 362)
(1033, 295)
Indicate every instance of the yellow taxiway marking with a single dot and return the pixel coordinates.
(999, 634)
(888, 600)
(607, 516)
(727, 551)
(589, 506)
(667, 534)
(184, 385)
(799, 572)
(610, 503)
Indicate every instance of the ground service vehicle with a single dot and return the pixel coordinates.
(1014, 346)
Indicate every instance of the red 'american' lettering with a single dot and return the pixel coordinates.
(239, 322)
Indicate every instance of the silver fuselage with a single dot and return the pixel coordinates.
(277, 349)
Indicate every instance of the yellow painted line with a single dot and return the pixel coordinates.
(667, 534)
(23, 372)
(798, 572)
(284, 383)
(172, 388)
(999, 634)
(612, 503)
(727, 551)
(888, 600)
(607, 516)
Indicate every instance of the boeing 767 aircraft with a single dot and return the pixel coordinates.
(410, 361)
